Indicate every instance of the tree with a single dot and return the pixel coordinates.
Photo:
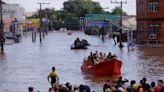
(69, 17)
(35, 15)
(81, 7)
(118, 11)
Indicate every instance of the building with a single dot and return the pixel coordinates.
(150, 21)
(10, 12)
(129, 22)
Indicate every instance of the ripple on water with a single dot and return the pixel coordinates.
(28, 63)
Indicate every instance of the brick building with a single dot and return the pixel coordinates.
(150, 21)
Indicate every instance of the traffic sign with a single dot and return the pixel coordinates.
(101, 17)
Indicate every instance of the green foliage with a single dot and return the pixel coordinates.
(36, 15)
(72, 11)
(81, 7)
(118, 11)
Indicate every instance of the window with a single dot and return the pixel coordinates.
(141, 26)
(153, 6)
(143, 8)
(154, 28)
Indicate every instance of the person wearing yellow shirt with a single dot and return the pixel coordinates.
(53, 76)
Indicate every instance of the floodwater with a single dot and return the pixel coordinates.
(28, 64)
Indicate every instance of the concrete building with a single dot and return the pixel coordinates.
(10, 12)
(150, 21)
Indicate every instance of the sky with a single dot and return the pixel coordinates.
(32, 6)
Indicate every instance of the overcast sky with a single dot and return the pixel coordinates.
(31, 5)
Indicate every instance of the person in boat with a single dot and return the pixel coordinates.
(109, 55)
(94, 59)
(84, 42)
(101, 56)
(53, 76)
(96, 55)
(113, 56)
(77, 42)
(90, 56)
(104, 56)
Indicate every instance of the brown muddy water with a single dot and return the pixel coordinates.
(28, 64)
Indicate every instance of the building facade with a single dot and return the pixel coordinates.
(10, 12)
(150, 21)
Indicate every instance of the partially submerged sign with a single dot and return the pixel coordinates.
(102, 17)
(96, 23)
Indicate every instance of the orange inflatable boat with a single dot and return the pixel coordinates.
(104, 68)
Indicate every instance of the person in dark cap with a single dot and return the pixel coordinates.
(30, 89)
(106, 85)
(84, 88)
(146, 86)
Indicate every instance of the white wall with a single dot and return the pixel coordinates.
(14, 10)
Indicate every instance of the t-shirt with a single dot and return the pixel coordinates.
(53, 76)
(158, 88)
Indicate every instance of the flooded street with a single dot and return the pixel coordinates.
(28, 64)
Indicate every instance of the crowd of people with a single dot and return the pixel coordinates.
(98, 57)
(119, 86)
(110, 86)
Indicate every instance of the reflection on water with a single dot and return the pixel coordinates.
(28, 63)
(2, 56)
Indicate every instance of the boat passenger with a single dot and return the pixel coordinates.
(104, 55)
(94, 59)
(100, 56)
(109, 55)
(96, 53)
(53, 76)
(90, 56)
(77, 42)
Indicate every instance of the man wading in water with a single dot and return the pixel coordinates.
(53, 76)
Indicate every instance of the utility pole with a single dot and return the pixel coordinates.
(121, 4)
(40, 16)
(1, 28)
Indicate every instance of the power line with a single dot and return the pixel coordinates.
(40, 16)
(121, 4)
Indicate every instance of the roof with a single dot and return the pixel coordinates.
(129, 22)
